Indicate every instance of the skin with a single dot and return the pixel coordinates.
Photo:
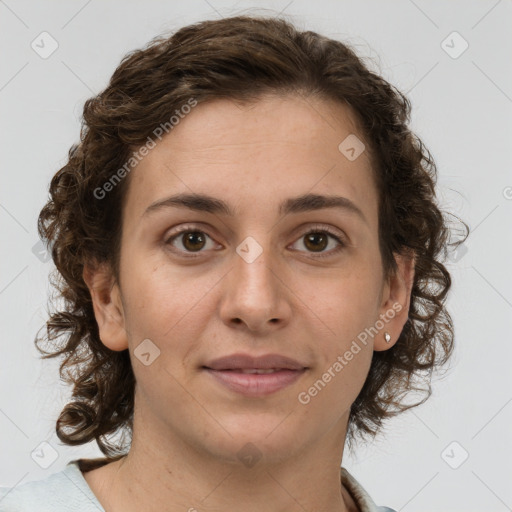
(187, 427)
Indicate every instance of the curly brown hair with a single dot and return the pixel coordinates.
(238, 58)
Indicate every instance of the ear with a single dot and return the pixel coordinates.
(107, 304)
(396, 299)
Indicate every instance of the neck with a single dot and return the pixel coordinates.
(164, 473)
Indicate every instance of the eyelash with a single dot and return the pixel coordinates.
(315, 229)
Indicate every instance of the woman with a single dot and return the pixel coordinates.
(249, 246)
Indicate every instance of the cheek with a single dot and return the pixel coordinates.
(347, 305)
(170, 308)
(154, 296)
(351, 309)
(329, 392)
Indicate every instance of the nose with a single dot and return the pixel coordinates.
(255, 295)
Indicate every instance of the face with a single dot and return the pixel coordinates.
(202, 284)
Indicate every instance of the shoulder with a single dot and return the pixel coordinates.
(62, 491)
(363, 500)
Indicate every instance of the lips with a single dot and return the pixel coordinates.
(247, 362)
(255, 376)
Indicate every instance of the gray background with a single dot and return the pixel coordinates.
(461, 109)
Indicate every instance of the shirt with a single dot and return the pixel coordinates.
(67, 490)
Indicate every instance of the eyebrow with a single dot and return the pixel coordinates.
(300, 204)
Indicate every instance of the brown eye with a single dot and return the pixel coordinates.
(316, 241)
(188, 241)
(193, 240)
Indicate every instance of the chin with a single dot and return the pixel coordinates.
(255, 439)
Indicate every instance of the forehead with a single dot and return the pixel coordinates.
(306, 122)
(257, 153)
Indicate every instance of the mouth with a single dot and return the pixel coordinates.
(259, 371)
(255, 376)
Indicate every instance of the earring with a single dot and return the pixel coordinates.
(387, 337)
